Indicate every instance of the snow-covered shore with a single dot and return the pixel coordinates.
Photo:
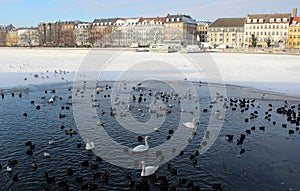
(279, 73)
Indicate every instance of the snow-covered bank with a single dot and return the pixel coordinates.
(279, 73)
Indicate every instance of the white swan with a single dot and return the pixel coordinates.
(89, 145)
(191, 125)
(148, 170)
(142, 148)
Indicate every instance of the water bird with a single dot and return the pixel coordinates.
(89, 145)
(8, 169)
(147, 170)
(142, 148)
(12, 162)
(229, 137)
(34, 165)
(16, 178)
(46, 155)
(242, 151)
(51, 142)
(191, 125)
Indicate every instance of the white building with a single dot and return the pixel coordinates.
(272, 28)
(138, 31)
(82, 34)
(28, 37)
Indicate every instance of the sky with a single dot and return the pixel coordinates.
(31, 12)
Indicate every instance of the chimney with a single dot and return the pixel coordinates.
(294, 12)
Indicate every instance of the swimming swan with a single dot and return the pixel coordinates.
(191, 125)
(148, 170)
(142, 148)
(89, 145)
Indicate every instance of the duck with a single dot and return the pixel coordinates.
(148, 170)
(190, 125)
(142, 148)
(89, 145)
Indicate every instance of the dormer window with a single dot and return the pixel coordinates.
(285, 19)
(271, 20)
(248, 20)
(172, 19)
(254, 20)
(261, 20)
(167, 20)
(178, 19)
(278, 20)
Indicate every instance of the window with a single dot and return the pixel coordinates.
(261, 20)
(254, 20)
(254, 27)
(269, 26)
(248, 20)
(278, 20)
(246, 33)
(220, 39)
(298, 36)
(271, 20)
(285, 20)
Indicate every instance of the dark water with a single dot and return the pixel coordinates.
(271, 160)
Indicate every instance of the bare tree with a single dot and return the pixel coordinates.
(155, 34)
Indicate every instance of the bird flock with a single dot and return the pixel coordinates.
(249, 109)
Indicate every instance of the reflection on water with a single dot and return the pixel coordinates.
(270, 160)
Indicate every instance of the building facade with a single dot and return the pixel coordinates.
(202, 27)
(226, 32)
(267, 30)
(12, 37)
(294, 31)
(136, 32)
(180, 29)
(66, 33)
(82, 34)
(49, 33)
(101, 32)
(28, 37)
(3, 33)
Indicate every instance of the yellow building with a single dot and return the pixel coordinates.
(12, 38)
(294, 33)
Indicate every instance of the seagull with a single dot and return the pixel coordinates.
(46, 155)
(191, 125)
(8, 169)
(148, 170)
(51, 142)
(51, 100)
(89, 145)
(142, 148)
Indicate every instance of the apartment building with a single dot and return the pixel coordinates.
(66, 33)
(101, 32)
(12, 37)
(202, 27)
(180, 29)
(226, 32)
(82, 34)
(28, 37)
(267, 30)
(294, 31)
(49, 33)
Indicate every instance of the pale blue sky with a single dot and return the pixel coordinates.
(31, 12)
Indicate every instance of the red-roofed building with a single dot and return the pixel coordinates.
(294, 33)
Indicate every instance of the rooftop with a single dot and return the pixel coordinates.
(228, 22)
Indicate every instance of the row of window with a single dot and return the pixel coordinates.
(267, 33)
(221, 34)
(271, 20)
(266, 26)
(294, 43)
(294, 36)
(221, 40)
(294, 30)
